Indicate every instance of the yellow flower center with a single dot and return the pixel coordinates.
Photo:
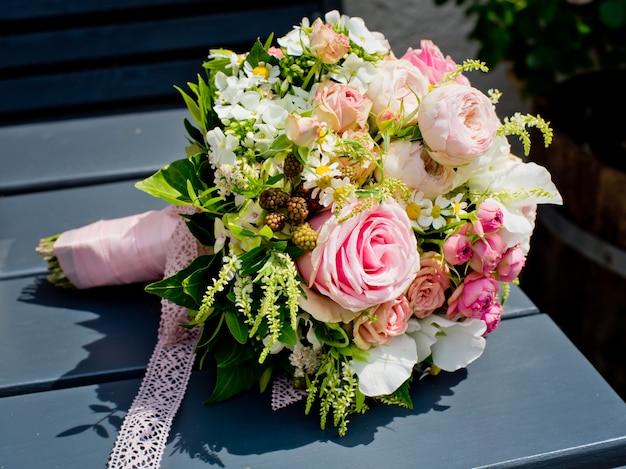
(324, 182)
(261, 71)
(413, 211)
(436, 211)
(457, 208)
(322, 169)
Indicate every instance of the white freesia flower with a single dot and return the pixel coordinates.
(296, 40)
(453, 344)
(355, 72)
(372, 42)
(387, 366)
(221, 147)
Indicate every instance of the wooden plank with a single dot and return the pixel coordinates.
(66, 153)
(531, 401)
(54, 338)
(35, 9)
(163, 36)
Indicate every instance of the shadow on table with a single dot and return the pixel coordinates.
(127, 326)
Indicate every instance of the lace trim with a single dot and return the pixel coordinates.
(142, 438)
(284, 394)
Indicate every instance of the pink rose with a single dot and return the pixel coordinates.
(398, 86)
(458, 123)
(457, 249)
(342, 107)
(511, 264)
(474, 297)
(388, 320)
(368, 258)
(487, 252)
(303, 131)
(432, 63)
(427, 292)
(326, 44)
(490, 215)
(492, 317)
(410, 163)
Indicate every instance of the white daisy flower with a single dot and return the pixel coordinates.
(457, 207)
(321, 174)
(419, 209)
(327, 195)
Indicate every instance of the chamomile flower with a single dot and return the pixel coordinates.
(263, 73)
(321, 174)
(438, 212)
(457, 207)
(332, 193)
(419, 209)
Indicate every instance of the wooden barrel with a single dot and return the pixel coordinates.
(576, 267)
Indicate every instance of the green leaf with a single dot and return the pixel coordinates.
(201, 227)
(237, 371)
(236, 326)
(288, 335)
(191, 104)
(172, 288)
(170, 182)
(257, 54)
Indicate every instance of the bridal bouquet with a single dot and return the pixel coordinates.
(360, 216)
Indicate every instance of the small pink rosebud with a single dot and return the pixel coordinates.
(326, 44)
(487, 252)
(303, 131)
(457, 249)
(490, 215)
(511, 264)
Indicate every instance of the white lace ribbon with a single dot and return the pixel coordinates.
(142, 438)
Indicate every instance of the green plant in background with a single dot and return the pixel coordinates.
(547, 41)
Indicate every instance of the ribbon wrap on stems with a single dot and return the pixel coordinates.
(119, 251)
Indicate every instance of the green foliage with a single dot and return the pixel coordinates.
(184, 286)
(548, 40)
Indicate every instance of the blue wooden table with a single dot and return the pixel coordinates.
(71, 361)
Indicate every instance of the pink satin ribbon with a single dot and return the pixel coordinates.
(117, 252)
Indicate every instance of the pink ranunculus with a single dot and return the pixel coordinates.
(432, 63)
(474, 297)
(492, 317)
(364, 257)
(458, 123)
(427, 292)
(490, 215)
(303, 131)
(457, 249)
(511, 264)
(396, 90)
(326, 44)
(388, 320)
(487, 252)
(410, 163)
(342, 107)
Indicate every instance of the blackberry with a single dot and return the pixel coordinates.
(312, 203)
(305, 237)
(292, 166)
(275, 220)
(273, 199)
(297, 210)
